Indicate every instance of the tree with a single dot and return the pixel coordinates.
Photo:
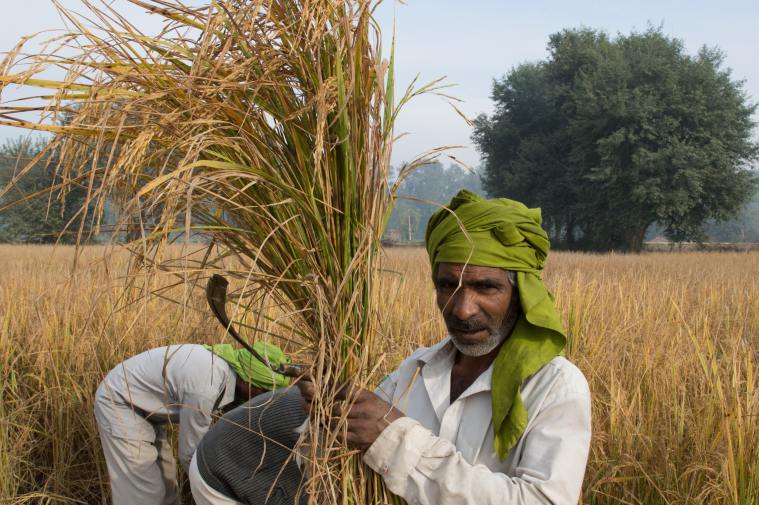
(41, 219)
(611, 136)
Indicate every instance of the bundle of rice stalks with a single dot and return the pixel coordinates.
(266, 125)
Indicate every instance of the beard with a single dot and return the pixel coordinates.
(475, 349)
(494, 339)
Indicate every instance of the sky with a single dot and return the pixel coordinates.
(471, 43)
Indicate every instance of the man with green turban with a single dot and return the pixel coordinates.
(492, 414)
(181, 384)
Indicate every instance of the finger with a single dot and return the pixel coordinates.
(368, 406)
(307, 388)
(354, 440)
(340, 435)
(306, 406)
(356, 426)
(346, 391)
(338, 409)
(335, 424)
(308, 400)
(295, 372)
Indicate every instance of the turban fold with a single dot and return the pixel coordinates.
(250, 369)
(505, 234)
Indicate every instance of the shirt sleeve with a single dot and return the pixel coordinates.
(386, 388)
(425, 469)
(194, 422)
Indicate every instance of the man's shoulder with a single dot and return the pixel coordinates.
(171, 352)
(563, 378)
(192, 364)
(423, 354)
(407, 369)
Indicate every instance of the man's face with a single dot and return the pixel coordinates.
(476, 312)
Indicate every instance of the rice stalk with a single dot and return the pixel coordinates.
(266, 126)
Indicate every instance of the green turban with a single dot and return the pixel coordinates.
(250, 369)
(505, 234)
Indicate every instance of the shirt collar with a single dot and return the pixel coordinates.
(436, 363)
(442, 350)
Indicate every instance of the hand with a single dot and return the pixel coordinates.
(366, 415)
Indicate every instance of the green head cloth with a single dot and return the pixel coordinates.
(250, 369)
(505, 234)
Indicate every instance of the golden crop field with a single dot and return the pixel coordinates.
(668, 342)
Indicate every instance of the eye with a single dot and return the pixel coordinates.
(446, 285)
(487, 287)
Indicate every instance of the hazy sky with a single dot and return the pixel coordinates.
(471, 42)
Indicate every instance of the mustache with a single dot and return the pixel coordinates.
(468, 325)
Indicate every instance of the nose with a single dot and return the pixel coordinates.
(463, 304)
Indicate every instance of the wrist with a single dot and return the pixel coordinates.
(391, 415)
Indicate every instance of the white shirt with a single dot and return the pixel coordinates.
(178, 383)
(442, 453)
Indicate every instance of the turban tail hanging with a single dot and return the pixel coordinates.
(505, 234)
(249, 369)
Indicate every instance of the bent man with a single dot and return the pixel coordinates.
(179, 383)
(493, 413)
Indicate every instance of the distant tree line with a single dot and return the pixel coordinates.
(33, 211)
(613, 136)
(616, 139)
(30, 212)
(41, 220)
(434, 183)
(422, 193)
(743, 228)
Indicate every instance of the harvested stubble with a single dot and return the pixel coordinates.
(669, 343)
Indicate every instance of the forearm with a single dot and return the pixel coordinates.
(194, 422)
(426, 469)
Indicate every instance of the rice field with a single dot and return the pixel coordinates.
(668, 341)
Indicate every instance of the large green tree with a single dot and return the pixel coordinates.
(45, 218)
(609, 136)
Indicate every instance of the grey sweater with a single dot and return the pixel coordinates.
(247, 455)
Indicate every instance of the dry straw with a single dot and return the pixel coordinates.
(266, 125)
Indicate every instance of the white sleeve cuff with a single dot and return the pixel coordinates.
(397, 451)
